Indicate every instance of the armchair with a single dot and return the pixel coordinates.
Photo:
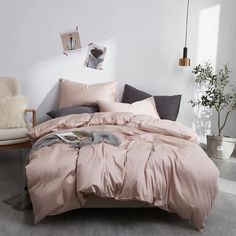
(14, 137)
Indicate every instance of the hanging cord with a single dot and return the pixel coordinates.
(186, 30)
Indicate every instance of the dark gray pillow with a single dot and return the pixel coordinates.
(72, 110)
(167, 106)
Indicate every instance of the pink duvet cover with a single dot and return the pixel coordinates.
(158, 162)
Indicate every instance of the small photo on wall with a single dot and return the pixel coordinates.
(95, 56)
(70, 41)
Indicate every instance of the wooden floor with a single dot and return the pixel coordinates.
(111, 222)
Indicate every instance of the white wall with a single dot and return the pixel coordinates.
(144, 41)
(216, 37)
(227, 52)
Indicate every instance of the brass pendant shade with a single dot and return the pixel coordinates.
(185, 61)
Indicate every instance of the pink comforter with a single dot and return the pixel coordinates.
(158, 162)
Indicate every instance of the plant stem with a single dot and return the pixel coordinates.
(226, 117)
(219, 128)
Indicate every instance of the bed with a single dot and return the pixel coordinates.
(158, 163)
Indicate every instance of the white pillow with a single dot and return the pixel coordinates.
(12, 110)
(74, 93)
(144, 107)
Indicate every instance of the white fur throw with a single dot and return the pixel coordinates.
(12, 112)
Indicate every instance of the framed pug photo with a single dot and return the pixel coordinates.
(95, 56)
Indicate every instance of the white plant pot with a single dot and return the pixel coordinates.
(220, 146)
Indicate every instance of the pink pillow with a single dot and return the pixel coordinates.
(144, 107)
(74, 93)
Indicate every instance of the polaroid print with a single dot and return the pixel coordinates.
(70, 41)
(95, 56)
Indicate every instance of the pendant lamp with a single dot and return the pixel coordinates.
(185, 61)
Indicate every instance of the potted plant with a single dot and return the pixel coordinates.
(219, 94)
